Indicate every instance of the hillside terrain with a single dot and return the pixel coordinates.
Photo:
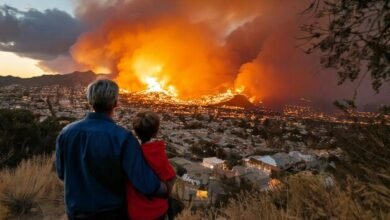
(70, 79)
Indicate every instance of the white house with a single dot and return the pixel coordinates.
(265, 163)
(213, 162)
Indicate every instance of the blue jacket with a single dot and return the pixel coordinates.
(94, 157)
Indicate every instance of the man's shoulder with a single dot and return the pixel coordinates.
(119, 130)
(85, 124)
(72, 125)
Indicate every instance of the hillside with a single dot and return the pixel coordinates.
(83, 78)
(237, 101)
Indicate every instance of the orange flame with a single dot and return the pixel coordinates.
(174, 57)
(185, 49)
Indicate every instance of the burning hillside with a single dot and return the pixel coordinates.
(159, 49)
(228, 98)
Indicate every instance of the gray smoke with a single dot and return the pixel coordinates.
(35, 34)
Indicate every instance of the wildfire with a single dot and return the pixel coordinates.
(172, 53)
(154, 86)
(154, 78)
(157, 92)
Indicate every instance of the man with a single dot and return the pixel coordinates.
(95, 157)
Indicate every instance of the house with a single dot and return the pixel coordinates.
(202, 194)
(303, 157)
(283, 160)
(275, 163)
(213, 162)
(194, 170)
(265, 163)
(239, 170)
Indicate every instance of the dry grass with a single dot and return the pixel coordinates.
(302, 196)
(31, 189)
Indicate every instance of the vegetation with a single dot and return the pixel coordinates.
(352, 37)
(359, 187)
(207, 149)
(302, 196)
(23, 136)
(31, 189)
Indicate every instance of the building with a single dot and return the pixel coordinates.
(213, 162)
(265, 163)
(283, 160)
(195, 171)
(299, 156)
(202, 194)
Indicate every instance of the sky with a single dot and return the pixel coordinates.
(15, 65)
(192, 48)
(65, 5)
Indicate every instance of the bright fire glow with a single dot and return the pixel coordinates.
(169, 54)
(239, 89)
(154, 86)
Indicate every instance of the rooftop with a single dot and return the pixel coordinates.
(212, 160)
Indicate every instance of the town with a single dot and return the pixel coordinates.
(214, 149)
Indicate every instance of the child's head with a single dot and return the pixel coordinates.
(146, 125)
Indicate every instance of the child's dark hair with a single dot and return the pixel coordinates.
(146, 125)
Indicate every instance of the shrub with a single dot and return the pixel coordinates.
(23, 136)
(32, 188)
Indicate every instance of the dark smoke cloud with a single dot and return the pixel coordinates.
(61, 64)
(246, 41)
(39, 35)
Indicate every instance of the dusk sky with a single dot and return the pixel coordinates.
(13, 64)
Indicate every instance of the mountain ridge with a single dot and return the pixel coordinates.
(83, 78)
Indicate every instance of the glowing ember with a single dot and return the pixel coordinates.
(155, 92)
(240, 89)
(154, 86)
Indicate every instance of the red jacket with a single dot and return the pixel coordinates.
(139, 206)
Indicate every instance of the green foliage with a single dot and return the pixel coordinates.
(352, 37)
(22, 136)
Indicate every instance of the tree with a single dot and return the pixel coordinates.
(22, 136)
(353, 36)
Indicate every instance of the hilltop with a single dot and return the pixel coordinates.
(237, 101)
(83, 78)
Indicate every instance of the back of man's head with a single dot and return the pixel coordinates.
(103, 95)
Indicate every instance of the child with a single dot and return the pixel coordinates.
(146, 126)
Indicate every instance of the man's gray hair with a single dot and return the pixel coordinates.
(103, 95)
